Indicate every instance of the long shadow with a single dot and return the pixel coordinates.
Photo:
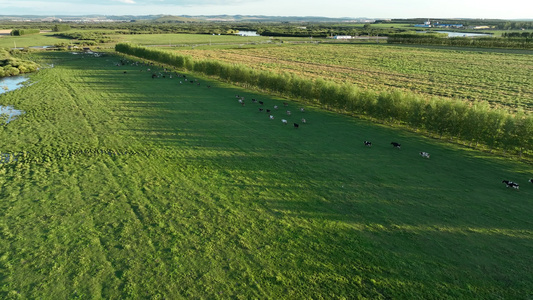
(337, 206)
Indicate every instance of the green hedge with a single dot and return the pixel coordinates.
(19, 32)
(469, 121)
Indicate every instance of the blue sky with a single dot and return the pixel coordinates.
(510, 9)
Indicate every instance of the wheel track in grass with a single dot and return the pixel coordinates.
(122, 272)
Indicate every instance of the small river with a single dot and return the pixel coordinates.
(8, 84)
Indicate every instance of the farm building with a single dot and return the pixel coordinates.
(426, 24)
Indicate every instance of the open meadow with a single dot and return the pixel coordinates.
(128, 187)
(43, 39)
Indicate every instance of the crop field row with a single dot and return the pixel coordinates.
(502, 79)
(128, 187)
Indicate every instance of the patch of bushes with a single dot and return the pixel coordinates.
(11, 66)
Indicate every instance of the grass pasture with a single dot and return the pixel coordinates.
(43, 39)
(129, 187)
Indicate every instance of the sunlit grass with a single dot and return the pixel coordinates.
(133, 187)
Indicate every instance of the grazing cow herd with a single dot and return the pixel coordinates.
(275, 108)
(167, 73)
(514, 185)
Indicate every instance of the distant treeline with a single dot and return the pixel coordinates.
(481, 42)
(468, 121)
(19, 32)
(525, 35)
(89, 35)
(61, 27)
(11, 66)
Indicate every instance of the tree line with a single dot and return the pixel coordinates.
(479, 42)
(94, 36)
(525, 35)
(474, 122)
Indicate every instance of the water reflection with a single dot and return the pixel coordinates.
(11, 83)
(8, 114)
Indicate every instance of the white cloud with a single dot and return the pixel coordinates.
(125, 1)
(333, 8)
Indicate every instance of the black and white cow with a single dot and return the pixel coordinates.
(368, 144)
(511, 184)
(395, 145)
(424, 154)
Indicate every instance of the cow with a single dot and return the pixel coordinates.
(271, 117)
(395, 145)
(260, 102)
(368, 144)
(260, 109)
(531, 180)
(424, 154)
(288, 113)
(304, 120)
(296, 125)
(275, 107)
(509, 184)
(302, 109)
(285, 104)
(284, 121)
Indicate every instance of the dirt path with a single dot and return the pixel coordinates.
(4, 32)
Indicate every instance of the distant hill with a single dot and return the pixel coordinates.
(180, 19)
(228, 18)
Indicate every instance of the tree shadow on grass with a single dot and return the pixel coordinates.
(343, 219)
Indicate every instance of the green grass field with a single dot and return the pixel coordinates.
(43, 39)
(128, 187)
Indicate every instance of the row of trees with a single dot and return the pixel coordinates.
(61, 27)
(94, 36)
(474, 122)
(524, 34)
(479, 42)
(19, 32)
